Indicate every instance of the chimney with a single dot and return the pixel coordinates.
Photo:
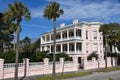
(62, 25)
(75, 21)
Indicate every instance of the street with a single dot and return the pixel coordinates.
(115, 75)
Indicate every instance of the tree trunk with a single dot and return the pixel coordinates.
(105, 51)
(17, 51)
(54, 49)
(14, 44)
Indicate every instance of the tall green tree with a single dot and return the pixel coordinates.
(105, 31)
(7, 28)
(37, 45)
(18, 11)
(109, 32)
(52, 12)
(117, 39)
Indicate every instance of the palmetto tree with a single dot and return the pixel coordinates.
(18, 11)
(52, 12)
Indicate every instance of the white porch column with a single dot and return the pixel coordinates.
(50, 37)
(75, 47)
(74, 32)
(68, 48)
(61, 47)
(67, 34)
(61, 35)
(49, 48)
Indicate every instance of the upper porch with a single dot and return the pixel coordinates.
(63, 35)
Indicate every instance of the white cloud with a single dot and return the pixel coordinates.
(92, 10)
(76, 9)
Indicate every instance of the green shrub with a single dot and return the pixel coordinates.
(92, 55)
(59, 55)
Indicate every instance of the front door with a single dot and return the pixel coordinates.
(80, 62)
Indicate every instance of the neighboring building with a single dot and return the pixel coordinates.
(78, 39)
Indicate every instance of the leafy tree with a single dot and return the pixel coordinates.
(52, 12)
(117, 39)
(7, 28)
(18, 11)
(36, 45)
(64, 55)
(92, 55)
(110, 33)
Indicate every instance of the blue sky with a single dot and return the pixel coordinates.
(105, 11)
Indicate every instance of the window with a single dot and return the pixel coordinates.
(58, 36)
(95, 47)
(52, 37)
(79, 47)
(65, 47)
(51, 48)
(65, 35)
(58, 48)
(78, 33)
(87, 50)
(86, 34)
(95, 34)
(47, 38)
(71, 47)
(100, 47)
(71, 34)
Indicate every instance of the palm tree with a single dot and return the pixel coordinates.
(18, 11)
(51, 12)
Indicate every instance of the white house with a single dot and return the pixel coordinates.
(78, 39)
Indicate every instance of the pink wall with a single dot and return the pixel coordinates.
(46, 68)
(92, 64)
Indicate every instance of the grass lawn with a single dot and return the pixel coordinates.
(80, 74)
(109, 69)
(64, 76)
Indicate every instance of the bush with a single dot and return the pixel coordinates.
(59, 55)
(9, 57)
(34, 56)
(92, 55)
(111, 54)
(38, 56)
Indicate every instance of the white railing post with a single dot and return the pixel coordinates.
(1, 69)
(62, 65)
(26, 66)
(46, 62)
